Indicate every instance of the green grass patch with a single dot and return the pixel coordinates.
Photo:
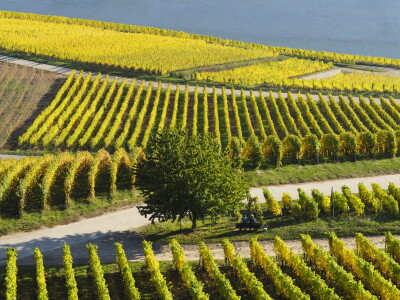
(100, 205)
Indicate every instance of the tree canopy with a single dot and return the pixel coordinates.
(187, 176)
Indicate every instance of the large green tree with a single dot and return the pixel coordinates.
(187, 176)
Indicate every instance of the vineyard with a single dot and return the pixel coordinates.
(282, 73)
(352, 82)
(340, 273)
(364, 203)
(23, 93)
(130, 49)
(271, 72)
(302, 53)
(90, 113)
(56, 181)
(123, 50)
(97, 127)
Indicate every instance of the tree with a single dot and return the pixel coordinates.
(366, 143)
(386, 142)
(310, 146)
(348, 144)
(292, 147)
(272, 148)
(234, 150)
(253, 151)
(186, 176)
(330, 145)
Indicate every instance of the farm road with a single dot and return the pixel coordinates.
(119, 226)
(67, 71)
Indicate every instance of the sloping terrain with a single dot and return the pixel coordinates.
(24, 93)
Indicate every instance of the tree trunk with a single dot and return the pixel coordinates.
(194, 222)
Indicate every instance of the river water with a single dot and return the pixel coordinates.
(366, 27)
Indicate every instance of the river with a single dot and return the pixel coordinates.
(363, 27)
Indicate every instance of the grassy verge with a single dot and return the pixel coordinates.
(100, 205)
(286, 228)
(325, 171)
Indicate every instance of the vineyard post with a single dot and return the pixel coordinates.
(333, 205)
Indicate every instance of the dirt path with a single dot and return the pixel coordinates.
(8, 156)
(66, 71)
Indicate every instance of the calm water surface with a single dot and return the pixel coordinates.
(366, 27)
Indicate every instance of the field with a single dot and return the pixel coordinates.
(153, 53)
(353, 82)
(92, 128)
(340, 273)
(89, 113)
(51, 182)
(270, 72)
(122, 50)
(283, 74)
(24, 92)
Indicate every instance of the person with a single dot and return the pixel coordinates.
(245, 219)
(252, 219)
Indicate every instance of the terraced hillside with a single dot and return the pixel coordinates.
(341, 273)
(91, 113)
(24, 92)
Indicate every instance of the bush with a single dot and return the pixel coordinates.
(234, 150)
(348, 144)
(287, 202)
(355, 203)
(324, 202)
(253, 151)
(310, 146)
(308, 205)
(366, 143)
(330, 145)
(291, 147)
(386, 142)
(339, 204)
(273, 149)
(371, 203)
(272, 205)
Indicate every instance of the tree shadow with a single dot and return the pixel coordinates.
(53, 252)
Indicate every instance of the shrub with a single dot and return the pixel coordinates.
(310, 146)
(253, 151)
(348, 143)
(366, 143)
(273, 149)
(386, 142)
(287, 202)
(330, 145)
(291, 146)
(324, 202)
